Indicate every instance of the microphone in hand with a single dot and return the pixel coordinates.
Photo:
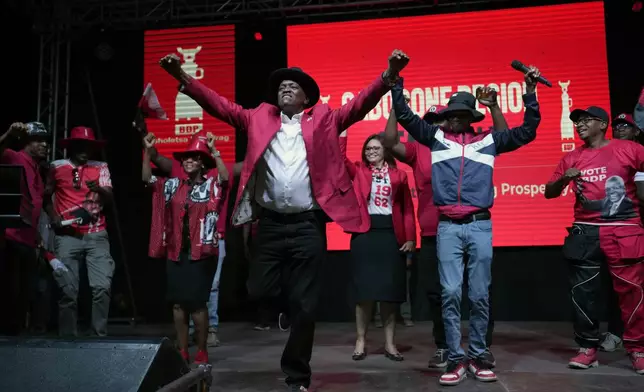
(519, 66)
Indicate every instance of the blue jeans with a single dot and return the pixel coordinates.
(453, 242)
(213, 302)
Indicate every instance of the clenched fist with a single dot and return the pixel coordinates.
(398, 61)
(172, 65)
(18, 130)
(149, 141)
(486, 96)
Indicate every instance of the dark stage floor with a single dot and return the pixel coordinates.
(530, 357)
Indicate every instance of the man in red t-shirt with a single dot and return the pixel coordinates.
(624, 128)
(418, 157)
(76, 190)
(606, 229)
(18, 270)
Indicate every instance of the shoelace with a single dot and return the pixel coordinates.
(638, 355)
(585, 350)
(439, 353)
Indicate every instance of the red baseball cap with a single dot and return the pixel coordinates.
(625, 118)
(434, 114)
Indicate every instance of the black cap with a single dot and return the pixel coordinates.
(591, 111)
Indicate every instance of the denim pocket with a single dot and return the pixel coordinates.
(482, 225)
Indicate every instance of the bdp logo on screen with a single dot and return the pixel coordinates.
(204, 52)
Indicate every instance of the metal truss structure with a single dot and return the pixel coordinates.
(137, 14)
(57, 20)
(53, 85)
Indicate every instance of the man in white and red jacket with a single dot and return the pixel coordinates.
(462, 165)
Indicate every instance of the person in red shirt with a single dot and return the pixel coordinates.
(624, 128)
(418, 157)
(75, 193)
(606, 229)
(379, 269)
(193, 206)
(20, 261)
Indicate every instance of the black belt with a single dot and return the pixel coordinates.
(312, 215)
(482, 215)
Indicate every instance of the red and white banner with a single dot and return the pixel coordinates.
(460, 52)
(207, 54)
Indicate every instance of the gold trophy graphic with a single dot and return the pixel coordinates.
(186, 109)
(567, 127)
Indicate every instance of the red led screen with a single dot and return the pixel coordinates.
(462, 51)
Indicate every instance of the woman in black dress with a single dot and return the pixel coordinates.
(378, 256)
(190, 207)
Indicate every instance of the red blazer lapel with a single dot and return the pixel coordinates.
(307, 133)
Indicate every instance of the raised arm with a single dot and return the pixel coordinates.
(367, 99)
(418, 128)
(351, 167)
(216, 105)
(221, 166)
(520, 136)
(15, 131)
(392, 139)
(146, 168)
(160, 161)
(487, 96)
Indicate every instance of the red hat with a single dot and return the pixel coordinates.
(433, 114)
(625, 118)
(198, 144)
(81, 134)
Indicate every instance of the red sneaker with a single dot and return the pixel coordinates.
(481, 372)
(638, 362)
(454, 374)
(586, 358)
(201, 358)
(185, 355)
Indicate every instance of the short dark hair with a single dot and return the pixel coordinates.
(387, 153)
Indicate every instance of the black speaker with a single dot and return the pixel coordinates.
(105, 365)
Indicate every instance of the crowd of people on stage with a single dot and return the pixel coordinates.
(296, 177)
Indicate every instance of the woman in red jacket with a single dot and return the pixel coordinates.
(378, 256)
(190, 240)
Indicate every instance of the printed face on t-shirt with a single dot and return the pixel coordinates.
(605, 191)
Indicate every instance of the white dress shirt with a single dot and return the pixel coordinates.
(283, 180)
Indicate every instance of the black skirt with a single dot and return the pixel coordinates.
(189, 281)
(379, 268)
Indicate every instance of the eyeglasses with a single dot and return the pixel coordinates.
(586, 121)
(622, 126)
(374, 148)
(76, 181)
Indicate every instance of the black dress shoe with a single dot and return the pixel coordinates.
(394, 357)
(359, 356)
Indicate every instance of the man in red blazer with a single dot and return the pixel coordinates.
(293, 180)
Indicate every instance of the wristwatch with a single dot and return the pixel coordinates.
(216, 154)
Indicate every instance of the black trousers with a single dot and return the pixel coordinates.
(429, 280)
(19, 274)
(613, 311)
(287, 254)
(585, 260)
